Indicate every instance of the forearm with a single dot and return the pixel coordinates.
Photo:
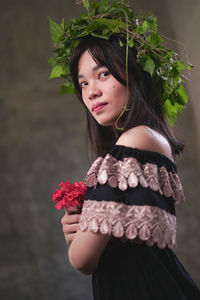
(86, 269)
(85, 251)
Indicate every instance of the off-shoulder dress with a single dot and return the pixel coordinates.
(131, 195)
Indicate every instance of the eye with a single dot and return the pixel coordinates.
(83, 84)
(104, 74)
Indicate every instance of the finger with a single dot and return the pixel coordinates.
(68, 229)
(70, 219)
(71, 210)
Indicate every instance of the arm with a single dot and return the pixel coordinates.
(85, 247)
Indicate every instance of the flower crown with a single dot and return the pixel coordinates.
(102, 20)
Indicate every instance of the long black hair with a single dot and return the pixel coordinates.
(145, 107)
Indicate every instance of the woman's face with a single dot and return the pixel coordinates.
(102, 94)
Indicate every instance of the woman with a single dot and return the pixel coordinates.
(124, 234)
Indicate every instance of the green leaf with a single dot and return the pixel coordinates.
(90, 28)
(52, 61)
(167, 89)
(172, 111)
(155, 23)
(148, 65)
(180, 66)
(63, 24)
(65, 69)
(130, 42)
(121, 43)
(103, 5)
(176, 80)
(98, 35)
(152, 21)
(182, 95)
(113, 25)
(154, 39)
(86, 4)
(190, 67)
(55, 31)
(67, 88)
(56, 72)
(142, 29)
(76, 43)
(94, 8)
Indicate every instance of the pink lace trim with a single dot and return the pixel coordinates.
(129, 222)
(129, 173)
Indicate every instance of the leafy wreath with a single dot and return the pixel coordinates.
(105, 18)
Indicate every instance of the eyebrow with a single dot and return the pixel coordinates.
(97, 67)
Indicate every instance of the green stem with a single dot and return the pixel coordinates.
(127, 79)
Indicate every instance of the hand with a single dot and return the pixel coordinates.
(70, 223)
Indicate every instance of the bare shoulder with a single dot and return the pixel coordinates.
(145, 138)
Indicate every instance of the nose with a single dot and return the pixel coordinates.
(93, 91)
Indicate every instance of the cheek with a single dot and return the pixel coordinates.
(120, 91)
(84, 100)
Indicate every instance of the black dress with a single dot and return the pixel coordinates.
(131, 195)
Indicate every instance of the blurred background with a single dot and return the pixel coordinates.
(43, 142)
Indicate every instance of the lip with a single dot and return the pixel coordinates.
(98, 106)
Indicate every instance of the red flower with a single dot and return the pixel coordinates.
(69, 194)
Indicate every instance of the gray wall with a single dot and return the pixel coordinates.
(43, 142)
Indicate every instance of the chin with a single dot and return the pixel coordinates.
(106, 123)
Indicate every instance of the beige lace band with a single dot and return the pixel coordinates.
(130, 173)
(129, 222)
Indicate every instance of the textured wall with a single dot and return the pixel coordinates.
(42, 142)
(186, 27)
